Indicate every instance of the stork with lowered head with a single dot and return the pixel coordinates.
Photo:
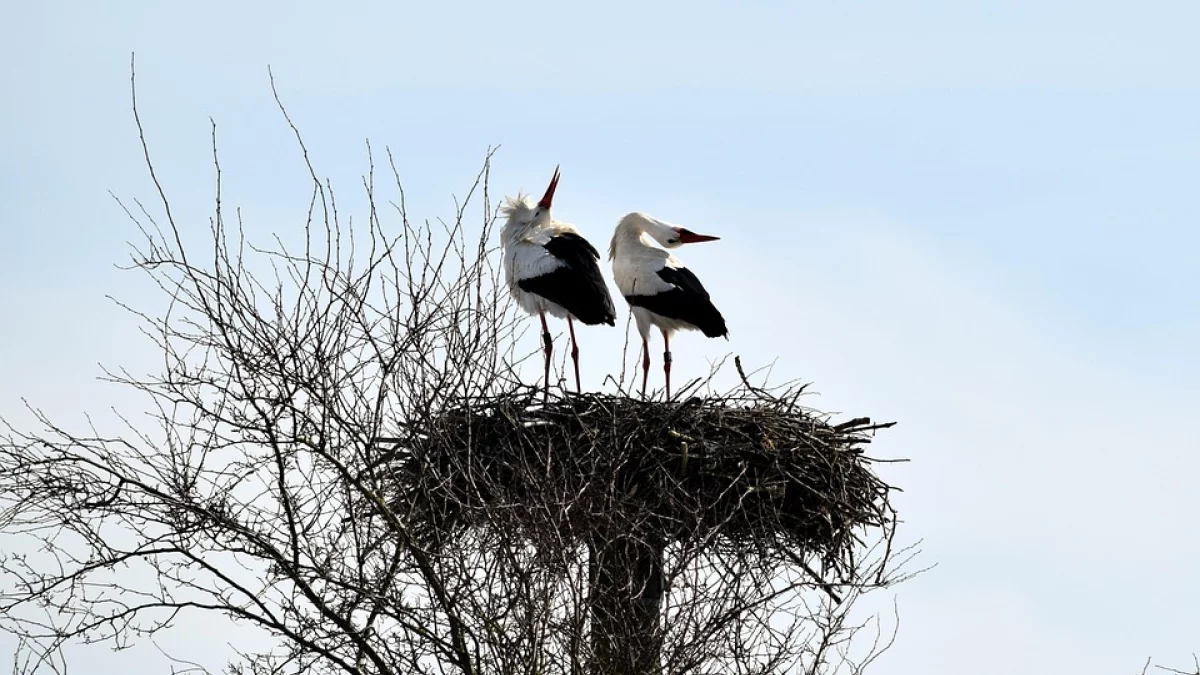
(662, 293)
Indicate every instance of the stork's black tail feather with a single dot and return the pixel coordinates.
(687, 301)
(578, 286)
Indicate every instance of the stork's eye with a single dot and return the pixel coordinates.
(672, 240)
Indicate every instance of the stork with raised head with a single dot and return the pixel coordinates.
(551, 269)
(661, 292)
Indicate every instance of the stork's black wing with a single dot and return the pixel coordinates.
(577, 285)
(687, 301)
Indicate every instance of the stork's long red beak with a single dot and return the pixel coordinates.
(689, 237)
(549, 196)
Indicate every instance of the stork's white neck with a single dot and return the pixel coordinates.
(640, 230)
(515, 230)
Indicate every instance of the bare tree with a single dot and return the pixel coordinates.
(1194, 669)
(344, 456)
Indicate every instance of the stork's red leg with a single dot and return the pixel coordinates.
(667, 361)
(645, 364)
(548, 343)
(574, 352)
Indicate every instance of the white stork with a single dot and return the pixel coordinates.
(661, 292)
(551, 269)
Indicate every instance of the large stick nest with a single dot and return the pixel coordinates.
(748, 473)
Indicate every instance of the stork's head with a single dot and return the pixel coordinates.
(666, 234)
(521, 211)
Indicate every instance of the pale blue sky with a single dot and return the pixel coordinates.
(982, 215)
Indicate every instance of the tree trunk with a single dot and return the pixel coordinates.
(626, 601)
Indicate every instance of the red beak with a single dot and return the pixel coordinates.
(549, 196)
(689, 237)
